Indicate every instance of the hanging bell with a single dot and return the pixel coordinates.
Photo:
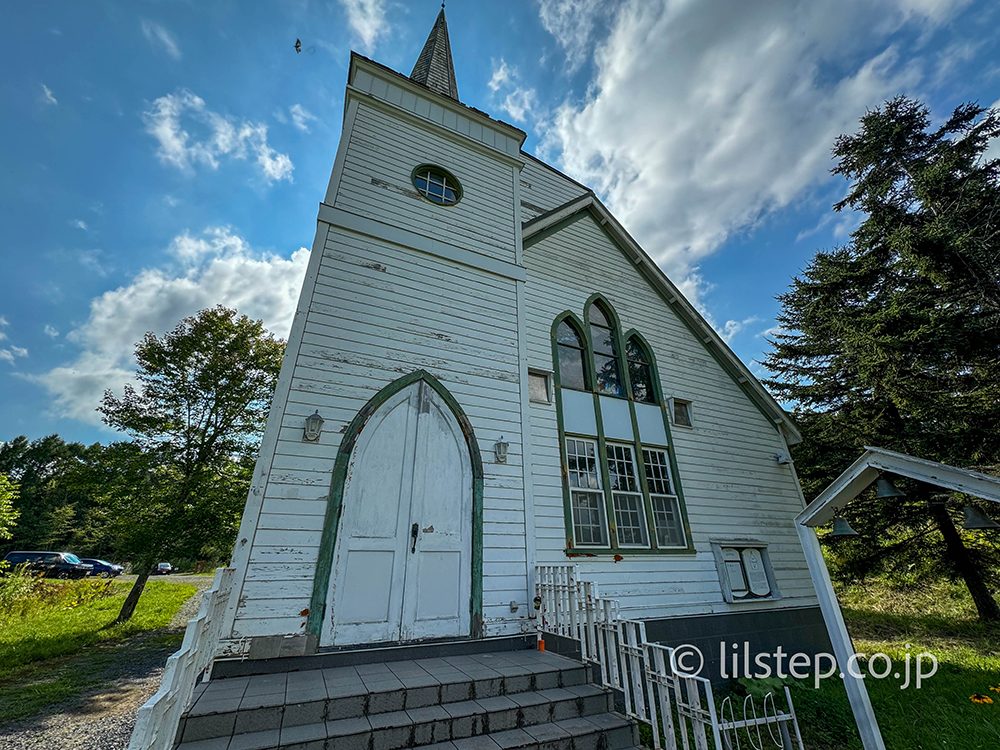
(885, 489)
(841, 528)
(976, 519)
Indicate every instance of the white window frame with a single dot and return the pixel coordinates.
(598, 491)
(670, 497)
(719, 547)
(637, 493)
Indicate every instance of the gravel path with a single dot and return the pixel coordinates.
(102, 718)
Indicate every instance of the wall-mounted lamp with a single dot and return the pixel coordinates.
(313, 428)
(782, 459)
(501, 450)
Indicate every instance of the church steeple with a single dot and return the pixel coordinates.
(434, 67)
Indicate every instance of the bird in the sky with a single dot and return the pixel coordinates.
(298, 46)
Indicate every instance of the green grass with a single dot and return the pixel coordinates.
(939, 619)
(62, 631)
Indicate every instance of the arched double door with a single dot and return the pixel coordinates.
(402, 560)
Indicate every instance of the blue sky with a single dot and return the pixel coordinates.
(164, 156)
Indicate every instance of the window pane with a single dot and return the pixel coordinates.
(657, 472)
(634, 352)
(630, 520)
(581, 460)
(621, 468)
(608, 378)
(598, 317)
(449, 195)
(421, 183)
(604, 340)
(538, 387)
(682, 413)
(588, 518)
(667, 519)
(566, 334)
(642, 382)
(571, 368)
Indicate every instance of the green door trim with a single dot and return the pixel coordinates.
(328, 542)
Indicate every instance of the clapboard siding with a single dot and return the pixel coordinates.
(379, 311)
(383, 152)
(732, 485)
(542, 187)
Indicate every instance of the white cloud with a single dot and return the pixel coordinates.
(51, 331)
(79, 224)
(367, 20)
(3, 322)
(572, 23)
(226, 136)
(160, 37)
(301, 117)
(771, 332)
(218, 267)
(9, 355)
(47, 97)
(993, 150)
(515, 100)
(733, 327)
(705, 117)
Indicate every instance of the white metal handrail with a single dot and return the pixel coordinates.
(654, 688)
(158, 718)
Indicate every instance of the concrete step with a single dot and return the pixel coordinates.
(496, 692)
(603, 731)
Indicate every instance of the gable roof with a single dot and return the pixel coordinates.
(434, 67)
(866, 469)
(710, 339)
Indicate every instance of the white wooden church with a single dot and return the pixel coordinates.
(486, 373)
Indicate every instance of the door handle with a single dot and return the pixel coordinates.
(413, 533)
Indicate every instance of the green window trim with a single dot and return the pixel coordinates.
(613, 548)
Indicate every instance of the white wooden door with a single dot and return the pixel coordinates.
(410, 470)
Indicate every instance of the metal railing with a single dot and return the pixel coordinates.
(678, 706)
(158, 718)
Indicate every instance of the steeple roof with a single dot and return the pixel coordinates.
(434, 68)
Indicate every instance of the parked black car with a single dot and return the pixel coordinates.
(51, 564)
(103, 568)
(163, 569)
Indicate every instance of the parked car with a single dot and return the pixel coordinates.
(103, 568)
(51, 564)
(163, 569)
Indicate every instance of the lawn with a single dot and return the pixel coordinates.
(939, 619)
(38, 643)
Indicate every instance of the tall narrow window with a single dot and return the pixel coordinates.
(630, 513)
(666, 509)
(571, 349)
(586, 494)
(639, 372)
(606, 369)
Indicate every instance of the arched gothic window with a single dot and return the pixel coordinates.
(607, 368)
(638, 371)
(572, 373)
(619, 473)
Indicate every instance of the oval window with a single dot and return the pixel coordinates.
(437, 185)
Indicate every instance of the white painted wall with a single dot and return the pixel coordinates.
(732, 484)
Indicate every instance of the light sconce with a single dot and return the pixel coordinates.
(313, 428)
(782, 459)
(500, 449)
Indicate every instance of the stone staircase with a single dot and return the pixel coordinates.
(509, 700)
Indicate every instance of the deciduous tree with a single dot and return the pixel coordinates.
(195, 416)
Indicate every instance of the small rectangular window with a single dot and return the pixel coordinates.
(586, 494)
(682, 412)
(744, 570)
(538, 387)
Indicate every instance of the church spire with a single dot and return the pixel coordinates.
(434, 68)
